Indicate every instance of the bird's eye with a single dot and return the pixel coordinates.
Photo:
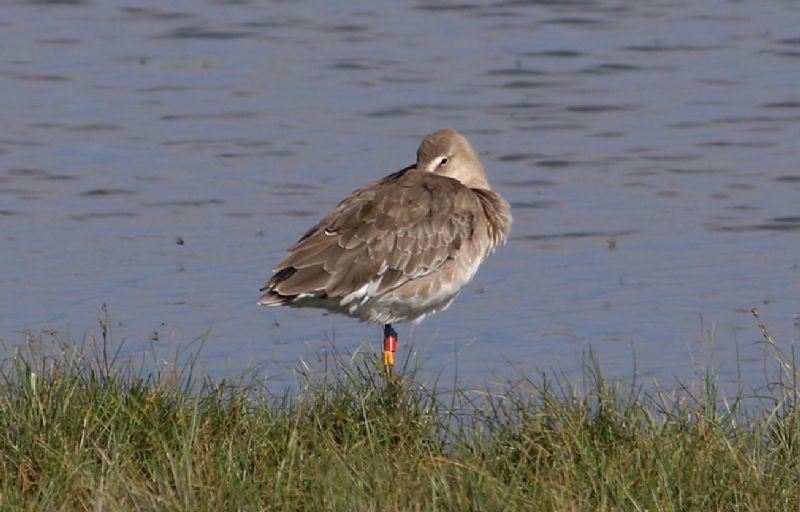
(442, 162)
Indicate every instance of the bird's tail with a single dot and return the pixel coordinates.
(270, 296)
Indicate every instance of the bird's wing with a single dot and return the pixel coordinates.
(396, 229)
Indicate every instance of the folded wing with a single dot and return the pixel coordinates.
(395, 230)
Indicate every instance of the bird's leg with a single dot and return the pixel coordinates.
(389, 346)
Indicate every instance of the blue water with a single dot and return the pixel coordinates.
(649, 151)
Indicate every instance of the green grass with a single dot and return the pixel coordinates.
(79, 432)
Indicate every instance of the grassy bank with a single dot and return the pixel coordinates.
(80, 433)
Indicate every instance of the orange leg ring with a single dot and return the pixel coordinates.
(389, 345)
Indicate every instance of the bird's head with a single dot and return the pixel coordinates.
(450, 154)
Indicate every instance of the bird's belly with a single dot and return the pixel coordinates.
(419, 297)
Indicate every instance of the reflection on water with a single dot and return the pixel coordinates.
(161, 158)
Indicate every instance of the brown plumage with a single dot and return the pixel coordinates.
(402, 247)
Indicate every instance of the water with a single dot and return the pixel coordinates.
(160, 157)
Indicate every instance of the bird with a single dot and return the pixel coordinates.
(402, 247)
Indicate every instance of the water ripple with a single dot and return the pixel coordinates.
(200, 32)
(576, 234)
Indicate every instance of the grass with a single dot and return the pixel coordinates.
(80, 430)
